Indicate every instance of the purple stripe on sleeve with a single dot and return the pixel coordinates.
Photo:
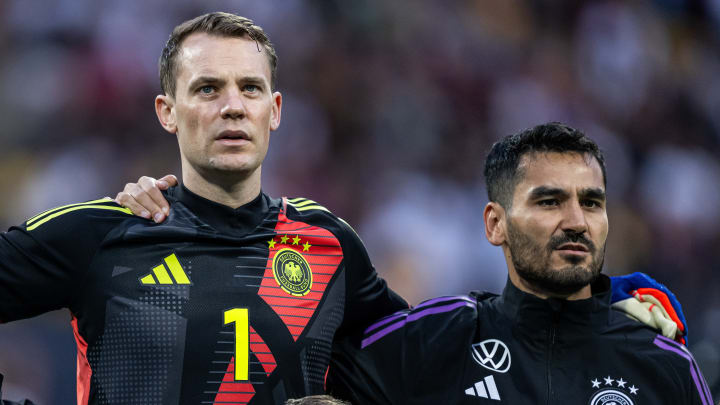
(400, 314)
(441, 299)
(385, 321)
(691, 359)
(414, 317)
(371, 339)
(698, 379)
(438, 310)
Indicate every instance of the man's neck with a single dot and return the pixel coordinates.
(232, 190)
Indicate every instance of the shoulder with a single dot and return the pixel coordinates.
(305, 210)
(301, 208)
(72, 216)
(680, 365)
(442, 317)
(672, 360)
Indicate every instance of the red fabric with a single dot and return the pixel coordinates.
(323, 254)
(262, 352)
(84, 372)
(231, 391)
(665, 301)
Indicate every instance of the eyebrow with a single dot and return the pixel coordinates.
(204, 80)
(593, 193)
(255, 80)
(545, 191)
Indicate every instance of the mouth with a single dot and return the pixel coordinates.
(573, 248)
(229, 136)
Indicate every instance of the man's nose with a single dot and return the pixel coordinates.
(234, 106)
(574, 218)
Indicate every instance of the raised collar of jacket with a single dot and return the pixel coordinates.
(527, 310)
(224, 219)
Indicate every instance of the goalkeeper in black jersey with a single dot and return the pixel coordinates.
(237, 297)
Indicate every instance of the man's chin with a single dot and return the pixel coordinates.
(559, 282)
(232, 164)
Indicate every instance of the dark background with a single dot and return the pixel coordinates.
(389, 109)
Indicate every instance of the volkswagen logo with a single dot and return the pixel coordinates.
(492, 354)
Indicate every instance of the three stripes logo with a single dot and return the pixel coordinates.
(160, 274)
(484, 389)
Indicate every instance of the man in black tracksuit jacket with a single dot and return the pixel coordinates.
(516, 348)
(551, 337)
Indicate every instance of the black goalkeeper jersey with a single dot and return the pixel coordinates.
(515, 349)
(213, 306)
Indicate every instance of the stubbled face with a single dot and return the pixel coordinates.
(557, 226)
(224, 108)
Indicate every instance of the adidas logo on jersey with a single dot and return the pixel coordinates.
(484, 389)
(160, 275)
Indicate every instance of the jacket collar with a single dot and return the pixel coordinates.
(222, 218)
(527, 310)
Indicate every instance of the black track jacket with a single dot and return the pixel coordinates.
(516, 349)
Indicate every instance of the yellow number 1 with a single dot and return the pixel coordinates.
(242, 338)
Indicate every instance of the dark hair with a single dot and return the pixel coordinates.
(220, 24)
(316, 400)
(501, 165)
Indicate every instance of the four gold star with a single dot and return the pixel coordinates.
(295, 241)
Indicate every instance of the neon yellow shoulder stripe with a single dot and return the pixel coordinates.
(313, 207)
(80, 207)
(303, 204)
(33, 219)
(296, 200)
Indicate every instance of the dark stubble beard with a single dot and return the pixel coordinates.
(532, 263)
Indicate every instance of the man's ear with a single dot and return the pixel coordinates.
(276, 110)
(165, 110)
(495, 223)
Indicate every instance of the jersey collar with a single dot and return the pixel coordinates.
(222, 218)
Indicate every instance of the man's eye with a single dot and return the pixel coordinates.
(207, 89)
(251, 88)
(591, 203)
(548, 203)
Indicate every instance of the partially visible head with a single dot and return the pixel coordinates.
(219, 24)
(316, 400)
(547, 208)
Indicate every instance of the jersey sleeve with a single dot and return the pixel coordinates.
(43, 260)
(368, 295)
(406, 356)
(683, 367)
